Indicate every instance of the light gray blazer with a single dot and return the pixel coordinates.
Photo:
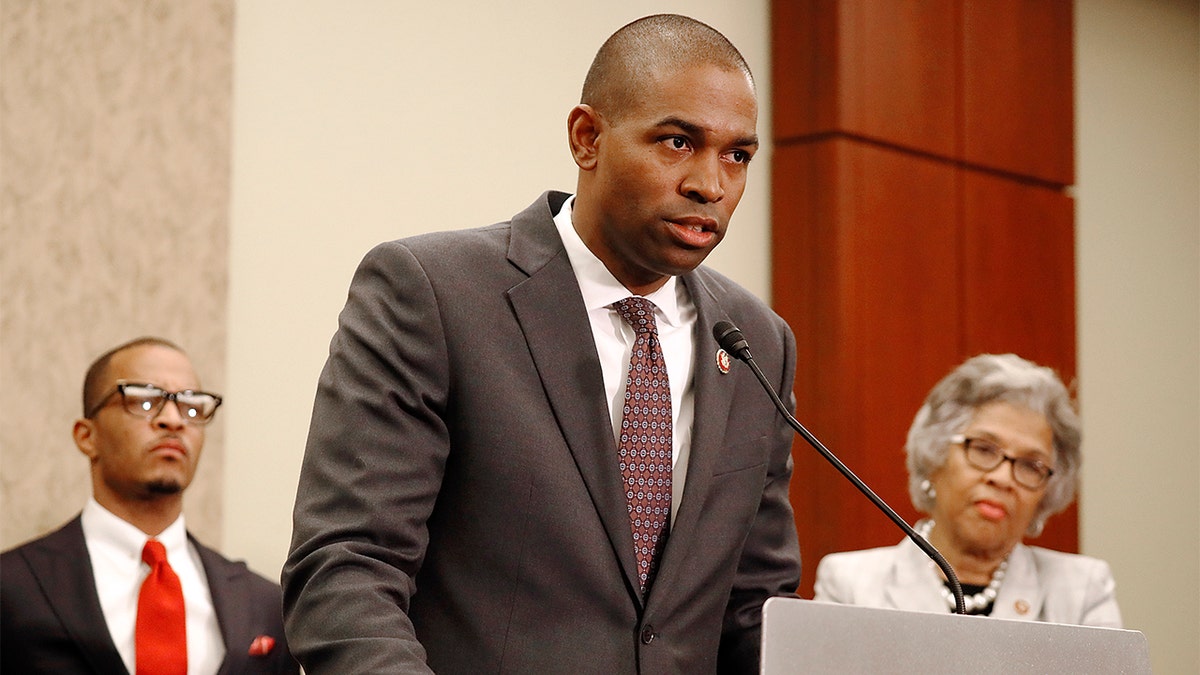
(1041, 585)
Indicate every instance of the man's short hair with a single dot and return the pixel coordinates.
(640, 49)
(99, 368)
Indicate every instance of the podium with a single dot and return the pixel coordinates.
(804, 636)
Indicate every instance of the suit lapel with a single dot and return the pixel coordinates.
(550, 310)
(713, 393)
(229, 603)
(915, 585)
(63, 569)
(1020, 590)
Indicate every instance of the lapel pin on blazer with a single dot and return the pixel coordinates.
(723, 361)
(262, 645)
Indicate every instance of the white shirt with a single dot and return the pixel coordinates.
(115, 548)
(676, 317)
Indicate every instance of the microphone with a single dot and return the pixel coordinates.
(732, 341)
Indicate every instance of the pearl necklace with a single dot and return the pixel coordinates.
(980, 600)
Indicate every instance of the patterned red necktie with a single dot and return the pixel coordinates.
(645, 442)
(161, 633)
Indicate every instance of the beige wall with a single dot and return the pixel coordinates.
(114, 218)
(359, 122)
(1138, 233)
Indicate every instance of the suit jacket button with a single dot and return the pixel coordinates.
(648, 634)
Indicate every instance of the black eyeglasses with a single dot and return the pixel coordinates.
(986, 456)
(147, 401)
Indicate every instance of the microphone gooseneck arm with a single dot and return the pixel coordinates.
(732, 341)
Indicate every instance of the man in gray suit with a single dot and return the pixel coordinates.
(73, 601)
(470, 500)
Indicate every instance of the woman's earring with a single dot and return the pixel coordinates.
(928, 489)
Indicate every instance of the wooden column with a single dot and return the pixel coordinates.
(921, 214)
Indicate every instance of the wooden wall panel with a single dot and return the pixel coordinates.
(918, 219)
(804, 39)
(1019, 270)
(988, 83)
(867, 321)
(833, 84)
(899, 73)
(1018, 84)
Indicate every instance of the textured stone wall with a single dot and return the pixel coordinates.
(114, 219)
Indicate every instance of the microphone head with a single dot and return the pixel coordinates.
(731, 339)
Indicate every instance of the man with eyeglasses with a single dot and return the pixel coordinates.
(123, 587)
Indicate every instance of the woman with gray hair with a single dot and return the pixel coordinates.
(992, 453)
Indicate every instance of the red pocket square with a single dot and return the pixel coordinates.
(262, 645)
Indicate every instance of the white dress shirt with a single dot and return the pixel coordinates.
(676, 317)
(115, 548)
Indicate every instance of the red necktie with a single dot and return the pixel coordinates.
(161, 632)
(645, 442)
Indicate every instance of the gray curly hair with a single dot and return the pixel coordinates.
(979, 381)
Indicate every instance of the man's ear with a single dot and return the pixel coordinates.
(583, 132)
(84, 433)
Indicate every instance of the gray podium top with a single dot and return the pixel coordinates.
(803, 636)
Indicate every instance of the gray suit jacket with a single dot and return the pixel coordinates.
(460, 504)
(1040, 584)
(51, 621)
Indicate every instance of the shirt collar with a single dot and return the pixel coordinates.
(124, 536)
(600, 289)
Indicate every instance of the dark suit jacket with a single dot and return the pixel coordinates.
(51, 621)
(460, 501)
